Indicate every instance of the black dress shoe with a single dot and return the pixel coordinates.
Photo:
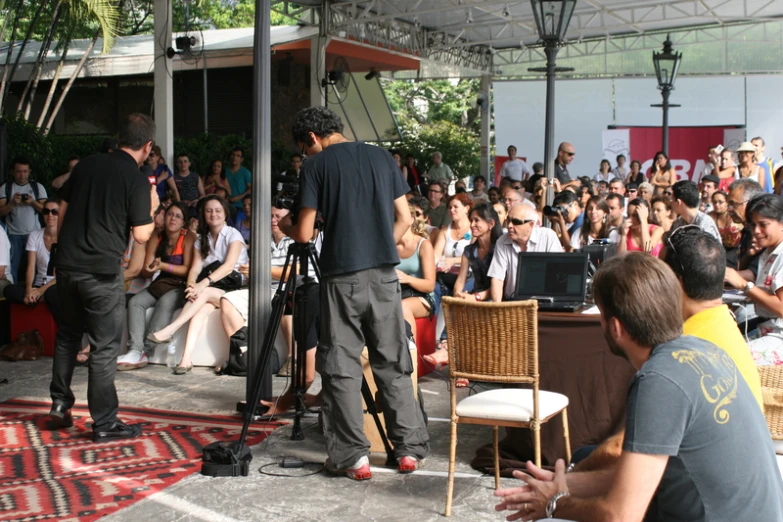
(59, 417)
(116, 431)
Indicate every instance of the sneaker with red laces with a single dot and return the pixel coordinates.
(360, 470)
(409, 464)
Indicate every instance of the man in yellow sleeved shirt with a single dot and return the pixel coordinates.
(699, 262)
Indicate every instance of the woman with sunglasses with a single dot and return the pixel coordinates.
(421, 212)
(39, 283)
(765, 219)
(164, 177)
(416, 273)
(596, 225)
(170, 252)
(452, 240)
(662, 174)
(636, 175)
(662, 212)
(637, 234)
(729, 228)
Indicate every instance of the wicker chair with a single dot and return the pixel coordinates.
(498, 342)
(772, 390)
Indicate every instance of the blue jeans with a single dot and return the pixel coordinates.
(18, 247)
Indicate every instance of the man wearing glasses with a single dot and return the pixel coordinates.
(239, 178)
(565, 155)
(740, 193)
(524, 235)
(439, 214)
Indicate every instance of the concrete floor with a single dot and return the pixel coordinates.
(389, 496)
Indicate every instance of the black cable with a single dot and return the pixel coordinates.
(305, 464)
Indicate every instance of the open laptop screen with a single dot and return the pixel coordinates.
(557, 275)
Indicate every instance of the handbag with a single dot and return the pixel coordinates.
(163, 285)
(27, 347)
(229, 283)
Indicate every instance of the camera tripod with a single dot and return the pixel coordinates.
(301, 255)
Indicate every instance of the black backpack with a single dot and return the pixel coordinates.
(237, 359)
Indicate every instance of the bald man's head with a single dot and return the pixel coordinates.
(565, 153)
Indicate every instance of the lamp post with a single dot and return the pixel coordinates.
(667, 63)
(552, 19)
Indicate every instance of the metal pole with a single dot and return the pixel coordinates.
(260, 304)
(665, 93)
(549, 126)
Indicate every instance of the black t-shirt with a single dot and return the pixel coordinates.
(562, 174)
(107, 194)
(354, 185)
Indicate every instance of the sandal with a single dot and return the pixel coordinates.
(182, 370)
(462, 383)
(151, 338)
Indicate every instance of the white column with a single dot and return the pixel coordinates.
(486, 118)
(164, 109)
(317, 69)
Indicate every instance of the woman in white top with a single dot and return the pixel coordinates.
(596, 226)
(216, 242)
(38, 285)
(765, 219)
(604, 171)
(452, 240)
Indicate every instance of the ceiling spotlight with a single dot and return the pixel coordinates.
(506, 12)
(371, 75)
(470, 16)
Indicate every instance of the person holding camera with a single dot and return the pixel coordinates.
(361, 195)
(567, 216)
(21, 200)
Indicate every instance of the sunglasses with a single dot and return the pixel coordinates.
(632, 191)
(419, 213)
(668, 193)
(52, 211)
(520, 222)
(572, 154)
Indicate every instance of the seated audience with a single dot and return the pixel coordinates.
(5, 260)
(596, 226)
(189, 184)
(39, 283)
(685, 204)
(216, 177)
(617, 186)
(169, 252)
(602, 188)
(242, 222)
(165, 178)
(764, 214)
(645, 191)
(524, 235)
(217, 253)
(479, 194)
(604, 171)
(616, 204)
(452, 240)
(501, 210)
(740, 194)
(416, 272)
(729, 229)
(421, 212)
(439, 215)
(60, 180)
(636, 175)
(585, 193)
(637, 234)
(493, 194)
(662, 213)
(709, 185)
(680, 437)
(620, 171)
(567, 222)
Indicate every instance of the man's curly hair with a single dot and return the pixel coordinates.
(320, 121)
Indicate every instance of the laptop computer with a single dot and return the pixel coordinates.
(558, 281)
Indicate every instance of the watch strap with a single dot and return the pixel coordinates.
(551, 506)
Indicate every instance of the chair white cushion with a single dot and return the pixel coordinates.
(514, 404)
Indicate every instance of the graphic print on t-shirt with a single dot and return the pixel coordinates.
(718, 378)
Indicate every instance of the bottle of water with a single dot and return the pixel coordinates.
(171, 357)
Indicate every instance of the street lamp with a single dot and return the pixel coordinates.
(552, 19)
(667, 64)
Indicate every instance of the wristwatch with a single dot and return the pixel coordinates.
(748, 287)
(551, 506)
(211, 282)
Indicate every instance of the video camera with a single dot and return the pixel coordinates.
(289, 197)
(556, 210)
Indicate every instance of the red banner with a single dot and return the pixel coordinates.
(688, 146)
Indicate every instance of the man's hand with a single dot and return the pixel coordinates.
(530, 501)
(285, 224)
(733, 278)
(16, 200)
(154, 200)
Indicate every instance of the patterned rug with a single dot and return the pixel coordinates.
(62, 475)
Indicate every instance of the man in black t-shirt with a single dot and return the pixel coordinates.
(106, 196)
(359, 190)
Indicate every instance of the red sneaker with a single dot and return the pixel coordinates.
(359, 471)
(408, 464)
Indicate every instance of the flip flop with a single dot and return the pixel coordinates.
(151, 338)
(462, 383)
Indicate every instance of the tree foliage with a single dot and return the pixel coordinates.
(438, 115)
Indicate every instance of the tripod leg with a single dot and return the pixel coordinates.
(372, 409)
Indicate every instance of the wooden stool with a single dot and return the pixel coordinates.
(25, 318)
(370, 430)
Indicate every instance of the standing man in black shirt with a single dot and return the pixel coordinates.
(105, 196)
(565, 155)
(359, 190)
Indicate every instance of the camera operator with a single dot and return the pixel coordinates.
(358, 189)
(566, 215)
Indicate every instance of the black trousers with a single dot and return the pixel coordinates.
(92, 303)
(17, 291)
